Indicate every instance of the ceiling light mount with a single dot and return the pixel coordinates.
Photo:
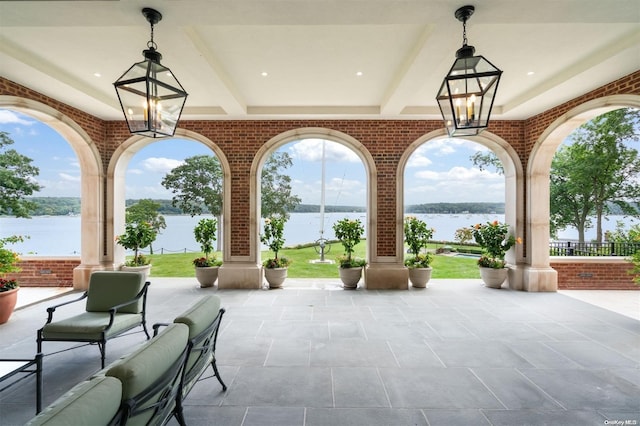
(467, 93)
(150, 96)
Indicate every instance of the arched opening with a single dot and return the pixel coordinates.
(117, 184)
(538, 168)
(297, 135)
(513, 193)
(91, 180)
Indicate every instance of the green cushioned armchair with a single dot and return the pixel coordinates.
(115, 303)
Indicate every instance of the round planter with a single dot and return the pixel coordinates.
(419, 277)
(493, 278)
(350, 276)
(146, 269)
(8, 301)
(275, 276)
(207, 275)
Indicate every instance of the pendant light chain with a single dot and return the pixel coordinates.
(464, 32)
(152, 44)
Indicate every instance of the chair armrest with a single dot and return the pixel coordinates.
(157, 326)
(51, 309)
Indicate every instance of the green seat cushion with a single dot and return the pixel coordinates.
(93, 402)
(110, 288)
(89, 326)
(144, 366)
(200, 316)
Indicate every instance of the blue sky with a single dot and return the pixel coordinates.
(439, 171)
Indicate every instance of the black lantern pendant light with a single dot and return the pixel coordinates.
(467, 92)
(150, 96)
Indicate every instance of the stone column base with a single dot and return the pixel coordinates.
(539, 279)
(82, 274)
(240, 276)
(386, 277)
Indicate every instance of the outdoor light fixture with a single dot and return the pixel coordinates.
(150, 96)
(467, 92)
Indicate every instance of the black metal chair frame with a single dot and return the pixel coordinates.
(102, 341)
(204, 344)
(167, 391)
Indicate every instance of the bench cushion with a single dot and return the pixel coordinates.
(89, 326)
(200, 315)
(93, 402)
(149, 363)
(109, 288)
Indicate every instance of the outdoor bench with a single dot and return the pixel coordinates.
(149, 385)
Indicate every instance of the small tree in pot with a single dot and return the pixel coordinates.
(136, 237)
(275, 268)
(8, 286)
(349, 232)
(417, 235)
(207, 266)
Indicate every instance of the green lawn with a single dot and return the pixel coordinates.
(179, 264)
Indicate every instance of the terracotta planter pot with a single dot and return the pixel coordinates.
(207, 275)
(275, 276)
(493, 278)
(419, 277)
(350, 277)
(8, 301)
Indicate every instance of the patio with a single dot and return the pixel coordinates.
(313, 354)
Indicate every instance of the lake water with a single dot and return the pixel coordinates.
(60, 235)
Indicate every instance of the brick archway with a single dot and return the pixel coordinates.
(538, 169)
(115, 203)
(91, 177)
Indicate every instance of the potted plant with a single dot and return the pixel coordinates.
(137, 236)
(495, 240)
(8, 286)
(275, 269)
(207, 266)
(417, 235)
(349, 232)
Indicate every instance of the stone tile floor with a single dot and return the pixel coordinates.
(313, 354)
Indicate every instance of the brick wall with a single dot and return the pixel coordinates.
(46, 271)
(594, 274)
(385, 140)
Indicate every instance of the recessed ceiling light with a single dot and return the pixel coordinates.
(359, 73)
(264, 73)
(530, 73)
(97, 74)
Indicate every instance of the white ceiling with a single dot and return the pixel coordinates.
(312, 50)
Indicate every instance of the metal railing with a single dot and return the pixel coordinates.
(572, 248)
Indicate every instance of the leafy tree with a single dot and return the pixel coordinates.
(486, 159)
(16, 180)
(196, 185)
(596, 171)
(570, 190)
(146, 210)
(276, 187)
(615, 168)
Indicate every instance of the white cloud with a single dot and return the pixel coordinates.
(311, 150)
(69, 178)
(9, 117)
(135, 171)
(160, 165)
(148, 191)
